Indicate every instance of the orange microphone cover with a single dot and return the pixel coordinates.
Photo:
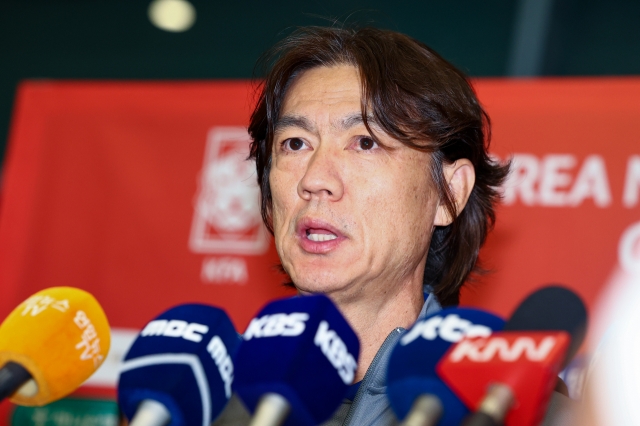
(61, 336)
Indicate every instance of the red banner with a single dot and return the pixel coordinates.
(571, 208)
(140, 194)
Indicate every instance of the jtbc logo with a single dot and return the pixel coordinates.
(451, 328)
(485, 350)
(176, 328)
(277, 325)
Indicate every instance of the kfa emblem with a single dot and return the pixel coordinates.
(226, 216)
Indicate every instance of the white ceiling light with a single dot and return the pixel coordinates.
(172, 15)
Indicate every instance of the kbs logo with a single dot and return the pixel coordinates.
(221, 357)
(485, 350)
(175, 328)
(227, 210)
(451, 328)
(336, 352)
(277, 325)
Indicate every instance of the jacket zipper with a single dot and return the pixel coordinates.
(367, 376)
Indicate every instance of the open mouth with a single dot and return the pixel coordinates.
(319, 235)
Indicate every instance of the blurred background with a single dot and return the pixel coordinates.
(222, 40)
(122, 125)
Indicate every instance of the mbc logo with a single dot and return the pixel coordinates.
(176, 328)
(222, 359)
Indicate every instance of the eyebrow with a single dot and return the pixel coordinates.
(298, 121)
(356, 119)
(346, 123)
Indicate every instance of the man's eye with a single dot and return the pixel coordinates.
(366, 143)
(293, 144)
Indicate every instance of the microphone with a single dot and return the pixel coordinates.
(509, 377)
(50, 344)
(296, 362)
(416, 394)
(179, 371)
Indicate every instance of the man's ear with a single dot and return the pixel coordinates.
(460, 176)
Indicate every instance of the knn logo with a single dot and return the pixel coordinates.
(277, 325)
(451, 328)
(485, 350)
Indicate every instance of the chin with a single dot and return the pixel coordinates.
(319, 281)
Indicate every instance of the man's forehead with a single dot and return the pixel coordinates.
(336, 88)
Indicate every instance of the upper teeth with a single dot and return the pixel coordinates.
(321, 237)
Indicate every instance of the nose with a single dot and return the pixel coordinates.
(322, 178)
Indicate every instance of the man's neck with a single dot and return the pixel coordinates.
(375, 317)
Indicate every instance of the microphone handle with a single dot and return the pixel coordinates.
(493, 408)
(272, 410)
(151, 413)
(12, 377)
(425, 411)
(480, 419)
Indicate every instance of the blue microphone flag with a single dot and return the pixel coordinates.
(411, 371)
(184, 360)
(303, 349)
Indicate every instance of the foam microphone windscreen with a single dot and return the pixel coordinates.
(182, 359)
(303, 349)
(411, 371)
(552, 308)
(60, 336)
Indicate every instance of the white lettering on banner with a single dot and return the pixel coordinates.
(175, 328)
(336, 352)
(629, 249)
(224, 270)
(522, 179)
(554, 178)
(631, 191)
(221, 357)
(592, 183)
(548, 182)
(451, 328)
(277, 325)
(485, 350)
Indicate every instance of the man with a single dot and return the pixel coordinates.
(371, 155)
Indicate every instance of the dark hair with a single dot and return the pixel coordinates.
(416, 97)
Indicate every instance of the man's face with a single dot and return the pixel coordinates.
(349, 213)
